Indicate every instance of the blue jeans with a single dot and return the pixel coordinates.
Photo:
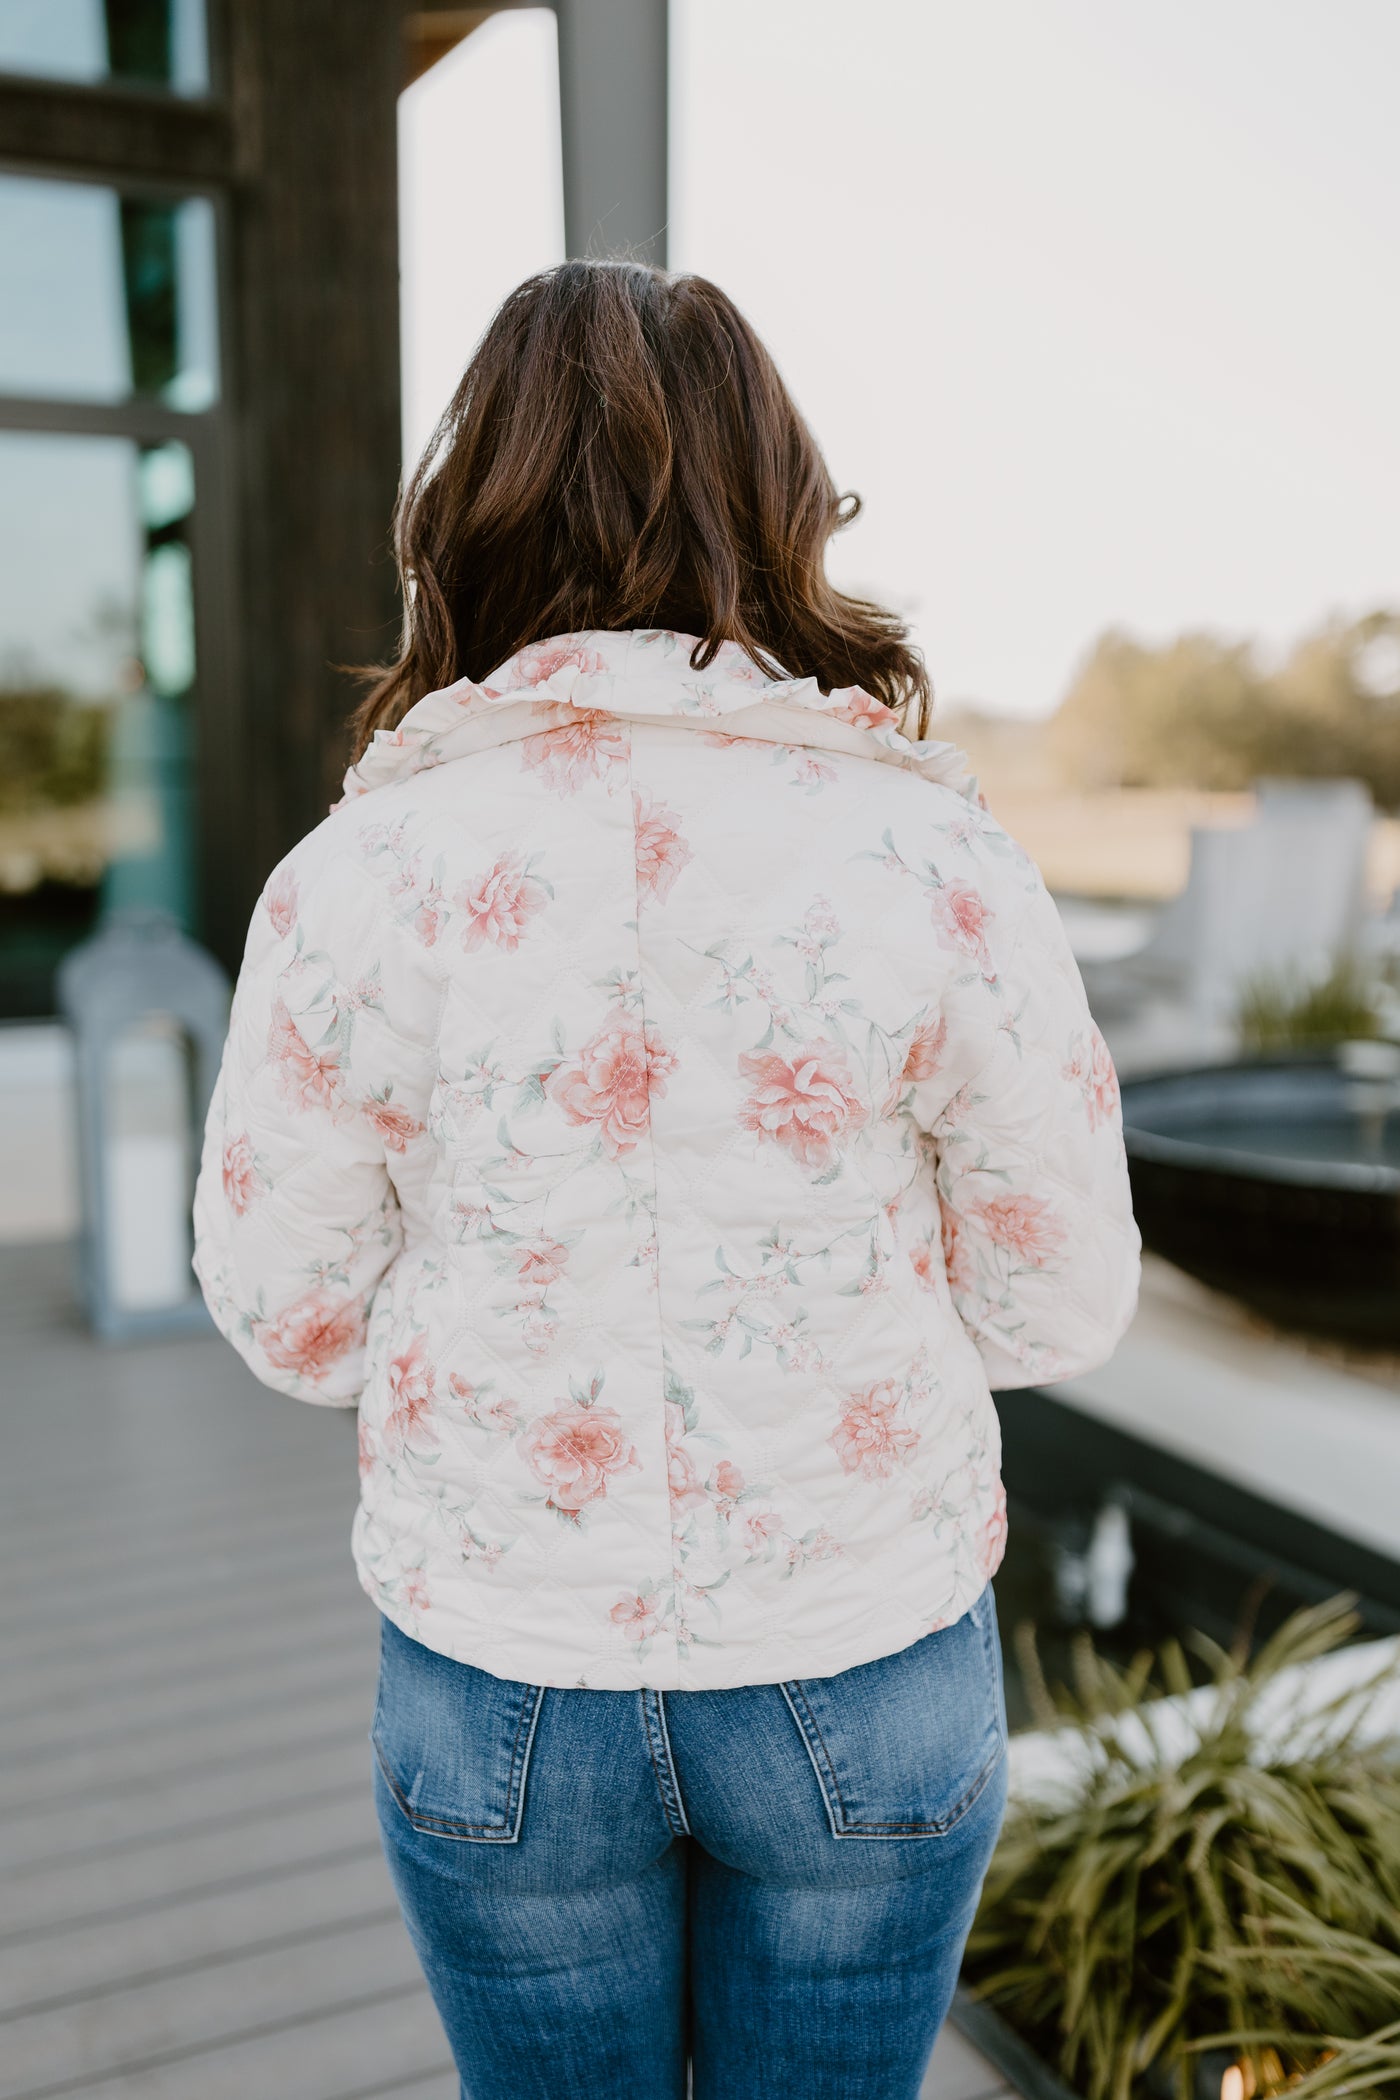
(774, 1883)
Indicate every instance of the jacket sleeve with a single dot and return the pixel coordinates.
(296, 1216)
(1039, 1242)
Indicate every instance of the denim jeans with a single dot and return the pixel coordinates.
(774, 1883)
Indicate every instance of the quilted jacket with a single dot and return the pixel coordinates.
(664, 1100)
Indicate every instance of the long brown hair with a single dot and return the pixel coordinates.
(621, 452)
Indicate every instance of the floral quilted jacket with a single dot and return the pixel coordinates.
(665, 1102)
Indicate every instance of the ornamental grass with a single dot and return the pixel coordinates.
(1223, 1875)
(1279, 1012)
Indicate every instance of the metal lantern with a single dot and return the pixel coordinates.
(148, 1010)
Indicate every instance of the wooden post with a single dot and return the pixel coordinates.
(612, 98)
(313, 299)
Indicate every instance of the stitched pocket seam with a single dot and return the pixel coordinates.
(505, 1832)
(842, 1823)
(663, 1764)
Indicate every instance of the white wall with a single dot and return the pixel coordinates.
(1096, 305)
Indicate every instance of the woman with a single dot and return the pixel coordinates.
(664, 1101)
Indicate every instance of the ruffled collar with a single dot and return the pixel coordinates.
(645, 675)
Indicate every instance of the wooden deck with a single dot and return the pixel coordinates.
(192, 1900)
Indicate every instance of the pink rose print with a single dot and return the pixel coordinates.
(405, 878)
(541, 1263)
(815, 1545)
(365, 1444)
(739, 667)
(639, 1617)
(485, 1413)
(243, 1184)
(611, 1081)
(958, 1258)
(870, 1439)
(413, 1389)
(992, 1543)
(423, 904)
(499, 906)
(1091, 1065)
(537, 1329)
(310, 1337)
(575, 1452)
(307, 1078)
(961, 918)
(427, 915)
(925, 1264)
(806, 1104)
(394, 1124)
(415, 1589)
(661, 851)
(587, 748)
(534, 665)
(864, 711)
(1025, 1226)
(925, 1052)
(281, 901)
(811, 771)
(727, 1486)
(681, 1478)
(760, 1526)
(959, 1108)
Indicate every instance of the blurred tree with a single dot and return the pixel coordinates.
(1202, 712)
(1344, 683)
(53, 749)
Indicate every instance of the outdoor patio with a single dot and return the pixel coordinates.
(194, 1906)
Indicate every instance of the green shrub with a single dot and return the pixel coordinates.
(53, 749)
(1282, 1012)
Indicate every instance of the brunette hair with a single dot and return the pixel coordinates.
(621, 452)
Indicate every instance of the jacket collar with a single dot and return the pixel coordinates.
(645, 675)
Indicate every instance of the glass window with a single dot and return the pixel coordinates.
(97, 669)
(151, 43)
(106, 296)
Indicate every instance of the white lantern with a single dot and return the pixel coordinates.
(148, 1009)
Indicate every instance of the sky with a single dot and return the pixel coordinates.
(1096, 305)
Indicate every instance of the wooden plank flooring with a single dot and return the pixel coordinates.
(192, 1900)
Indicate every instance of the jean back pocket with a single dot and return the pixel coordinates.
(453, 1742)
(903, 1746)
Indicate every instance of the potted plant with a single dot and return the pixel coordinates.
(1207, 1903)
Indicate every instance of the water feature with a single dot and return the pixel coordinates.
(1278, 1181)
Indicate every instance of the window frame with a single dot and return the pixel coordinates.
(152, 142)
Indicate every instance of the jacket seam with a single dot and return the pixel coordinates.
(655, 1205)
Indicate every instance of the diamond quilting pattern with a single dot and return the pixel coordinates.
(666, 1104)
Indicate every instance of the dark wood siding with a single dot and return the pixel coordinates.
(314, 300)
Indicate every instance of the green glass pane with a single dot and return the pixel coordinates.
(156, 43)
(148, 281)
(104, 296)
(139, 40)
